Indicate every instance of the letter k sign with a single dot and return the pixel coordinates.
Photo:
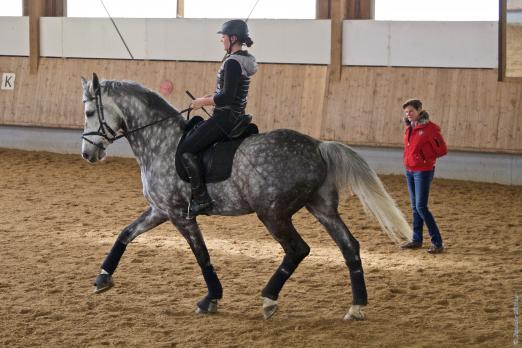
(8, 80)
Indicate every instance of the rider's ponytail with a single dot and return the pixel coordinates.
(248, 42)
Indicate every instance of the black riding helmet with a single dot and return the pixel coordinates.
(236, 27)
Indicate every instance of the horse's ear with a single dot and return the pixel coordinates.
(95, 82)
(84, 82)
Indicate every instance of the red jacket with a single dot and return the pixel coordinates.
(423, 144)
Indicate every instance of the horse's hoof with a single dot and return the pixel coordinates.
(103, 283)
(355, 313)
(269, 307)
(207, 306)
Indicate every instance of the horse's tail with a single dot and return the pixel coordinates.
(348, 169)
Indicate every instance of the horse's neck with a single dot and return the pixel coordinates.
(158, 139)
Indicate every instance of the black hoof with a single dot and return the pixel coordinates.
(207, 306)
(103, 282)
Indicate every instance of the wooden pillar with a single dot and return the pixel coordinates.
(337, 7)
(36, 10)
(180, 12)
(502, 19)
(340, 10)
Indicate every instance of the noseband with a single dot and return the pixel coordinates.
(106, 132)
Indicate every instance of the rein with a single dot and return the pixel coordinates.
(107, 133)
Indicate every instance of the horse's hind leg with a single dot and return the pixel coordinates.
(324, 208)
(295, 249)
(147, 220)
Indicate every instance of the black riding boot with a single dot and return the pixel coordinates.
(200, 199)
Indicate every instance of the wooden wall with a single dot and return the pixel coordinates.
(514, 50)
(514, 5)
(475, 111)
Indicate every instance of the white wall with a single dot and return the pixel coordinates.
(299, 41)
(276, 41)
(14, 36)
(428, 44)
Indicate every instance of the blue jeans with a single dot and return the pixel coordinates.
(419, 190)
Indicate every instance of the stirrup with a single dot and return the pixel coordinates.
(195, 208)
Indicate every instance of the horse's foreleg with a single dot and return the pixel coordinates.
(330, 219)
(191, 232)
(148, 220)
(295, 249)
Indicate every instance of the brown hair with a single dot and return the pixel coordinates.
(415, 103)
(248, 41)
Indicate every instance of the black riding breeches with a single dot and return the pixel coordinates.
(212, 130)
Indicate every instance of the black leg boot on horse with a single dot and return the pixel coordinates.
(200, 201)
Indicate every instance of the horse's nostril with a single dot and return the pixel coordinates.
(85, 155)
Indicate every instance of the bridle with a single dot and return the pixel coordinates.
(106, 132)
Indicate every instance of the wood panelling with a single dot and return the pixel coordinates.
(514, 50)
(514, 4)
(322, 9)
(51, 8)
(474, 110)
(358, 9)
(354, 9)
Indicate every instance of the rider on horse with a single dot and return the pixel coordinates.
(229, 101)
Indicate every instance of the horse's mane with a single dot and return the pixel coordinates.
(144, 94)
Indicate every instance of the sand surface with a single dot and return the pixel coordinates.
(60, 215)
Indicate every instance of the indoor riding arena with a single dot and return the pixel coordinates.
(340, 74)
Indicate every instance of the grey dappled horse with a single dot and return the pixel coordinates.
(274, 175)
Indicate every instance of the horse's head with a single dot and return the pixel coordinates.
(103, 120)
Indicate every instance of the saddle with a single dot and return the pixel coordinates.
(217, 160)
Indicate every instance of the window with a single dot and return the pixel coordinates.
(436, 10)
(11, 8)
(122, 8)
(295, 9)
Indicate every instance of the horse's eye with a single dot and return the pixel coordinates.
(89, 113)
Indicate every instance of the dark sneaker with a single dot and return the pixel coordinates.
(436, 249)
(412, 245)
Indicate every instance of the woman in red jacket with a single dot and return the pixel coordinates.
(423, 144)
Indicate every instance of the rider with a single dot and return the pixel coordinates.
(229, 101)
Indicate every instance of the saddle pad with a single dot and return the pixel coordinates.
(217, 160)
